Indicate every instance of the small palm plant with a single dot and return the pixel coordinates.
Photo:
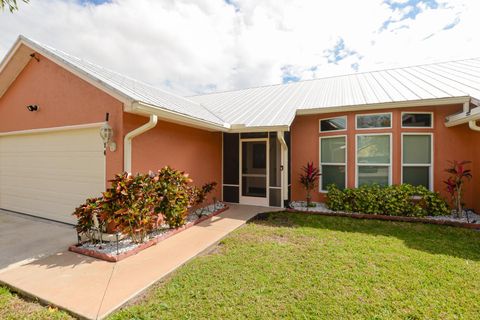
(455, 182)
(309, 180)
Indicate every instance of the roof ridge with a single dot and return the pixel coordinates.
(334, 76)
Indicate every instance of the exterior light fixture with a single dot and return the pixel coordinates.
(33, 108)
(106, 132)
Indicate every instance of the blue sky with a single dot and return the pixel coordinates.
(204, 45)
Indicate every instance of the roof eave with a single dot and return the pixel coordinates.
(387, 105)
(142, 108)
(239, 128)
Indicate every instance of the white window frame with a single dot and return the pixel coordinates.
(416, 112)
(422, 165)
(357, 165)
(373, 114)
(330, 118)
(332, 163)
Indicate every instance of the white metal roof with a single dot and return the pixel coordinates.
(277, 105)
(133, 90)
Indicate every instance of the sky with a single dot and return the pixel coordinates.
(202, 46)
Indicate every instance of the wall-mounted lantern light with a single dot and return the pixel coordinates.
(106, 132)
(33, 108)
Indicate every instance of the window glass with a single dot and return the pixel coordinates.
(417, 149)
(333, 174)
(417, 159)
(383, 120)
(417, 120)
(333, 150)
(333, 124)
(373, 174)
(373, 149)
(417, 176)
(333, 161)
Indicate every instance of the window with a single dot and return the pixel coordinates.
(417, 120)
(333, 159)
(333, 124)
(373, 159)
(374, 121)
(417, 159)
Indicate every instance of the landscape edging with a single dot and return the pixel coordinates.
(115, 258)
(475, 226)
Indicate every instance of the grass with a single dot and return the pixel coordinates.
(13, 308)
(286, 265)
(303, 266)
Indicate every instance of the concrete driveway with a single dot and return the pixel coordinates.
(24, 239)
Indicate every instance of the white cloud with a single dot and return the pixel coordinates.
(203, 45)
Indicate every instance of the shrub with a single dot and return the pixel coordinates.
(87, 218)
(134, 204)
(455, 182)
(130, 204)
(201, 195)
(395, 200)
(177, 196)
(309, 180)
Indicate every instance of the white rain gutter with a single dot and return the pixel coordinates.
(284, 165)
(127, 142)
(468, 115)
(473, 125)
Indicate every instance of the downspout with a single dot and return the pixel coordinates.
(284, 166)
(473, 125)
(127, 141)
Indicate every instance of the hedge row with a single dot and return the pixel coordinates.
(395, 200)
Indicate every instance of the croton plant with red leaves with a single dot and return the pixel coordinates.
(459, 174)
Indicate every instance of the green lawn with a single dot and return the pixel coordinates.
(14, 308)
(289, 265)
(299, 266)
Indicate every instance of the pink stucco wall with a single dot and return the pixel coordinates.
(195, 151)
(456, 143)
(64, 100)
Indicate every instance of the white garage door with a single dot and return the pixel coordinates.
(49, 174)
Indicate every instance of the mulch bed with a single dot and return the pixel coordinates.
(466, 225)
(114, 257)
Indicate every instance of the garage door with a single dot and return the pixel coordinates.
(49, 174)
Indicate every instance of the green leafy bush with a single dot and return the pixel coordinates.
(395, 200)
(134, 204)
(130, 204)
(176, 196)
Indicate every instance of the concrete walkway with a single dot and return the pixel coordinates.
(93, 289)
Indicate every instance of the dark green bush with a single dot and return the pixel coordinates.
(395, 200)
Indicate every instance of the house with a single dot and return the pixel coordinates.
(388, 126)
